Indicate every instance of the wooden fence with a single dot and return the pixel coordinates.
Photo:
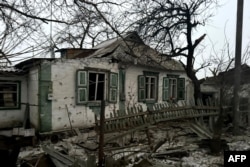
(136, 117)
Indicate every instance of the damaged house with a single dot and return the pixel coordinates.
(67, 92)
(221, 87)
(211, 86)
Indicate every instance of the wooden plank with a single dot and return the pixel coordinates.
(135, 116)
(64, 159)
(201, 131)
(127, 132)
(140, 120)
(143, 117)
(106, 127)
(119, 121)
(129, 120)
(101, 135)
(110, 122)
(130, 117)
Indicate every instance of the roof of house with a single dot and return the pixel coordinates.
(71, 53)
(31, 63)
(10, 70)
(131, 49)
(126, 49)
(227, 77)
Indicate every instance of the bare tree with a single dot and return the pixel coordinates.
(169, 25)
(92, 23)
(38, 25)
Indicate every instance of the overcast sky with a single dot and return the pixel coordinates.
(223, 22)
(226, 16)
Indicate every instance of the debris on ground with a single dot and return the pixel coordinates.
(172, 144)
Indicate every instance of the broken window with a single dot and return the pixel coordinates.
(96, 86)
(173, 88)
(93, 86)
(9, 95)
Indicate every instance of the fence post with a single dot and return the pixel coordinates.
(101, 135)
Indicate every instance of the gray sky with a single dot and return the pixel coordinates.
(224, 22)
(226, 16)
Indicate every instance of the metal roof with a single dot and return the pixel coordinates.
(131, 49)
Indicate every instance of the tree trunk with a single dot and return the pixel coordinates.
(196, 82)
(190, 58)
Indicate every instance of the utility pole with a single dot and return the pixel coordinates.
(237, 69)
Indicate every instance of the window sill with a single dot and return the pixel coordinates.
(150, 101)
(94, 103)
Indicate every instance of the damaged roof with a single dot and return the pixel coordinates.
(24, 65)
(126, 49)
(8, 70)
(131, 49)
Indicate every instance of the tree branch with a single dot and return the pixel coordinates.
(5, 56)
(45, 20)
(197, 41)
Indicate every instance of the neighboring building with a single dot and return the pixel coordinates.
(67, 91)
(211, 86)
(13, 96)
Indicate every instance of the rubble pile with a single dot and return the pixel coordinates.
(171, 145)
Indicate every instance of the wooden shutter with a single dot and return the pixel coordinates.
(113, 85)
(165, 86)
(81, 87)
(181, 89)
(141, 88)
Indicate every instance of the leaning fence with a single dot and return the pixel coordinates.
(136, 117)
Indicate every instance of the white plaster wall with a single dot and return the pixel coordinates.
(9, 118)
(131, 89)
(33, 96)
(63, 102)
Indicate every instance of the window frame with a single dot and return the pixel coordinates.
(179, 88)
(142, 87)
(18, 95)
(80, 86)
(172, 88)
(110, 86)
(105, 86)
(148, 88)
(113, 88)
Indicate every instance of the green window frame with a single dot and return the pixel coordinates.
(113, 87)
(141, 88)
(148, 87)
(165, 86)
(81, 87)
(10, 93)
(181, 88)
(173, 88)
(87, 85)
